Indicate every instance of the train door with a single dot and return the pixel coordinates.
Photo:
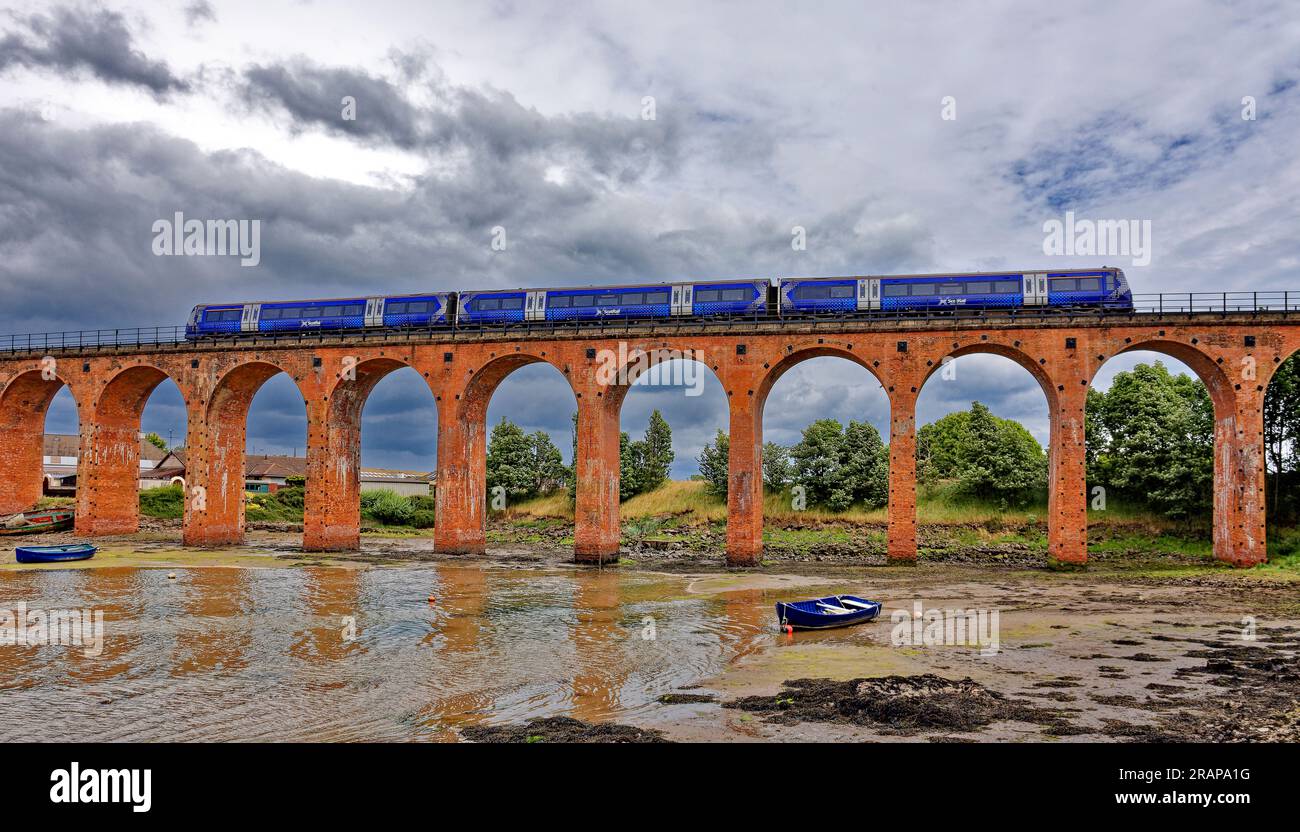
(869, 293)
(252, 314)
(374, 312)
(535, 306)
(683, 299)
(1035, 289)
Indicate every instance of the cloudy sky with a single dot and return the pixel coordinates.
(533, 116)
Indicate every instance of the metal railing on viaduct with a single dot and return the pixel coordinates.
(1234, 345)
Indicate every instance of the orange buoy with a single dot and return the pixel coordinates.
(432, 599)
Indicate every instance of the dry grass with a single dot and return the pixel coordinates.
(688, 500)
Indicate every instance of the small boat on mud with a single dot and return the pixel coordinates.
(37, 520)
(826, 613)
(56, 554)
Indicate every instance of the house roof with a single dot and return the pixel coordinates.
(270, 466)
(67, 444)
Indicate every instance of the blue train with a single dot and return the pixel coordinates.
(1078, 290)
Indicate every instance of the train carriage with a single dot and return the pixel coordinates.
(589, 303)
(1077, 289)
(315, 315)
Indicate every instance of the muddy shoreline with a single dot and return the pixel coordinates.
(1155, 648)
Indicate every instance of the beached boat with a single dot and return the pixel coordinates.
(55, 554)
(825, 613)
(37, 520)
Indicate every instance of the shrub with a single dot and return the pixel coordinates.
(167, 502)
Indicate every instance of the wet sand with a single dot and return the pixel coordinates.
(1112, 653)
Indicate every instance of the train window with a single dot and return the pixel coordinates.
(924, 289)
(270, 314)
(512, 303)
(1006, 287)
(633, 299)
(418, 307)
(583, 300)
(1090, 284)
(396, 308)
(607, 300)
(656, 297)
(489, 304)
(841, 291)
(707, 295)
(331, 312)
(814, 292)
(978, 287)
(560, 302)
(950, 288)
(736, 294)
(1064, 284)
(895, 290)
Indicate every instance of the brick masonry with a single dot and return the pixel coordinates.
(218, 382)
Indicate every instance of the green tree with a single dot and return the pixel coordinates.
(999, 459)
(658, 458)
(1158, 434)
(938, 446)
(864, 460)
(156, 440)
(776, 466)
(631, 467)
(818, 466)
(510, 462)
(713, 460)
(548, 471)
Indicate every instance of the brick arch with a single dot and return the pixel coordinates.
(109, 470)
(1066, 512)
(797, 356)
(1238, 525)
(332, 517)
(1036, 367)
(215, 453)
(745, 462)
(461, 489)
(25, 398)
(484, 380)
(1211, 373)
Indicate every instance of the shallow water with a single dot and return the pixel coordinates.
(266, 654)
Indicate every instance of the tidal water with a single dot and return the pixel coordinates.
(336, 654)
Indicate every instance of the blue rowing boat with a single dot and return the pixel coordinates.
(825, 613)
(55, 554)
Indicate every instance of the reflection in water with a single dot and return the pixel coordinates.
(214, 634)
(342, 654)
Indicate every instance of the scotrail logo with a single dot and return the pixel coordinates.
(22, 627)
(109, 785)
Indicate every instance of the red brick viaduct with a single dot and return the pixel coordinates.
(1235, 354)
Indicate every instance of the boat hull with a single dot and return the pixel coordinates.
(55, 554)
(34, 522)
(812, 615)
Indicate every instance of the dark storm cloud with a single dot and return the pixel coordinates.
(503, 139)
(71, 41)
(312, 96)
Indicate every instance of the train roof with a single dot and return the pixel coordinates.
(615, 286)
(323, 300)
